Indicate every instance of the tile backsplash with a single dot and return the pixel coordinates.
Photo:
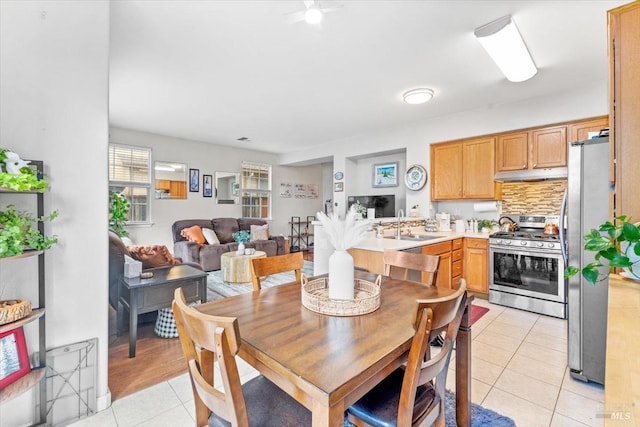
(541, 198)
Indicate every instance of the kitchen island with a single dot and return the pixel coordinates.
(367, 254)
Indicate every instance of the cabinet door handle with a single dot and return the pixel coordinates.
(524, 166)
(535, 164)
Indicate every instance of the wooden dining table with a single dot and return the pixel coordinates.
(328, 362)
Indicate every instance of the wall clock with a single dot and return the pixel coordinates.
(338, 176)
(416, 177)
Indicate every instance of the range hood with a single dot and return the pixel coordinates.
(531, 175)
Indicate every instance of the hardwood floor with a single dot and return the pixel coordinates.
(157, 360)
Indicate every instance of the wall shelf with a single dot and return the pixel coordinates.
(36, 377)
(301, 238)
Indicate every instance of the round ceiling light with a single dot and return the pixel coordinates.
(417, 96)
(313, 15)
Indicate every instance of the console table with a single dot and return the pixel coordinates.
(140, 296)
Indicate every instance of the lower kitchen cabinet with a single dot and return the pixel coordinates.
(367, 260)
(443, 278)
(476, 264)
(457, 262)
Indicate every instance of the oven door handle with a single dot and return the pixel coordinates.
(563, 244)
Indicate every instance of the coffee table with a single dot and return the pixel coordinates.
(140, 296)
(235, 268)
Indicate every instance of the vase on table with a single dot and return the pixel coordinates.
(240, 250)
(341, 277)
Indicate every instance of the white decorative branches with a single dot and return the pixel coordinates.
(343, 234)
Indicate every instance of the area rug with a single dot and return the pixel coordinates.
(480, 417)
(477, 312)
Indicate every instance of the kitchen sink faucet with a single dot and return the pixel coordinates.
(400, 215)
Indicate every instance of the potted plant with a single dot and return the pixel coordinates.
(360, 210)
(241, 237)
(616, 246)
(15, 174)
(118, 210)
(19, 232)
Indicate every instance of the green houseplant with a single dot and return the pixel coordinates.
(19, 178)
(617, 245)
(118, 210)
(19, 231)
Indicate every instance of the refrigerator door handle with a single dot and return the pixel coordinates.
(563, 243)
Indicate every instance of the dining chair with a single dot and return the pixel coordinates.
(415, 394)
(207, 339)
(397, 265)
(261, 267)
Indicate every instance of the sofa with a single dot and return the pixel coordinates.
(208, 255)
(150, 257)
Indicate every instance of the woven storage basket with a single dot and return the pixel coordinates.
(315, 297)
(12, 310)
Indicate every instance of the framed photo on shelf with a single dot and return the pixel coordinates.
(194, 180)
(15, 357)
(338, 187)
(385, 175)
(207, 186)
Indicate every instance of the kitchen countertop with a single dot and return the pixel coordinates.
(373, 243)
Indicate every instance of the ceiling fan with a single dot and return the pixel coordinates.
(313, 13)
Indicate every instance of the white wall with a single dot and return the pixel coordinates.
(54, 107)
(209, 158)
(589, 101)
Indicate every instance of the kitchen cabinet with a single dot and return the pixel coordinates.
(548, 147)
(624, 108)
(443, 278)
(178, 189)
(456, 262)
(512, 151)
(579, 131)
(367, 260)
(476, 265)
(446, 171)
(533, 149)
(464, 170)
(163, 184)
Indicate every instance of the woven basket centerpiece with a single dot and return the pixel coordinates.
(315, 297)
(12, 310)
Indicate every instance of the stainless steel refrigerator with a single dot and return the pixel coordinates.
(587, 206)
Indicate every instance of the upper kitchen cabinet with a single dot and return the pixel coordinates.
(512, 151)
(548, 147)
(624, 108)
(534, 149)
(579, 131)
(463, 170)
(446, 171)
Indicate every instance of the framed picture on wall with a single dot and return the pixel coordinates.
(385, 175)
(15, 357)
(207, 186)
(194, 180)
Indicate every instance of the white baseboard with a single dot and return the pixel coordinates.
(103, 402)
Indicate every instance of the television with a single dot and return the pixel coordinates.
(385, 205)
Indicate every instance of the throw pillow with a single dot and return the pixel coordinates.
(193, 234)
(210, 236)
(152, 256)
(259, 232)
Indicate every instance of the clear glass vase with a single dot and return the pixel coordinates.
(240, 250)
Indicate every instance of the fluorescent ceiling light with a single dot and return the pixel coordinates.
(417, 96)
(503, 42)
(313, 15)
(166, 168)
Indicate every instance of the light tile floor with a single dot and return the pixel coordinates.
(519, 369)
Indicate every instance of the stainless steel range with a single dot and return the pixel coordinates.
(526, 267)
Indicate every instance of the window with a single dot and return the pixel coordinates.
(130, 174)
(256, 190)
